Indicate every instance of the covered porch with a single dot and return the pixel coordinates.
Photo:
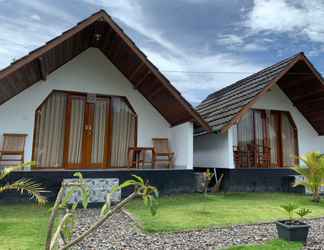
(90, 99)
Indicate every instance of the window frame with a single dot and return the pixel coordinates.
(266, 114)
(68, 92)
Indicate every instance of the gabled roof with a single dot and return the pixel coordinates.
(296, 76)
(100, 31)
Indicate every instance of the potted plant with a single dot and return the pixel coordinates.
(292, 229)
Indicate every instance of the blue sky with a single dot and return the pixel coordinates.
(200, 45)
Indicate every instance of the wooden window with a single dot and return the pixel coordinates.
(266, 138)
(77, 131)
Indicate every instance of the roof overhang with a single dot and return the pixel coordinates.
(303, 85)
(100, 31)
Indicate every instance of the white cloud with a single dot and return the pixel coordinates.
(187, 78)
(48, 9)
(304, 19)
(20, 35)
(229, 40)
(24, 33)
(253, 47)
(131, 14)
(35, 17)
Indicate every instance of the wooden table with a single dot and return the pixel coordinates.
(137, 157)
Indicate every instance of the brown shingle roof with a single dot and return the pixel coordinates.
(222, 108)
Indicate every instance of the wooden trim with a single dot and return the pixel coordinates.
(87, 134)
(312, 68)
(155, 92)
(42, 69)
(35, 125)
(53, 43)
(247, 107)
(278, 119)
(138, 68)
(156, 72)
(142, 80)
(109, 127)
(103, 16)
(280, 143)
(67, 131)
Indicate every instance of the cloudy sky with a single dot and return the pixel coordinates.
(200, 45)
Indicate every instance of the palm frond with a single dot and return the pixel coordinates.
(23, 185)
(8, 170)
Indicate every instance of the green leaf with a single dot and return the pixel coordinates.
(106, 207)
(35, 190)
(139, 179)
(303, 212)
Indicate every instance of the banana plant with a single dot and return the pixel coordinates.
(22, 185)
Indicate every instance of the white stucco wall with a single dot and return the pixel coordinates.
(217, 150)
(182, 143)
(91, 72)
(212, 151)
(308, 138)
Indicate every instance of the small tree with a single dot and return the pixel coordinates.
(208, 176)
(313, 172)
(22, 185)
(66, 223)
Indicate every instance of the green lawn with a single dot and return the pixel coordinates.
(23, 226)
(272, 245)
(187, 212)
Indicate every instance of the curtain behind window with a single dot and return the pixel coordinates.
(274, 137)
(99, 130)
(76, 130)
(49, 131)
(245, 135)
(123, 132)
(288, 141)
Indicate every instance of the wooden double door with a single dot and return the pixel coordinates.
(87, 142)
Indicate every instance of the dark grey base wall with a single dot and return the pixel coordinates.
(258, 180)
(167, 181)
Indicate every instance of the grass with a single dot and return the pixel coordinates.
(188, 212)
(271, 245)
(22, 226)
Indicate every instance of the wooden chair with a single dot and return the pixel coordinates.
(13, 146)
(162, 151)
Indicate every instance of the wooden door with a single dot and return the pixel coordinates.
(86, 134)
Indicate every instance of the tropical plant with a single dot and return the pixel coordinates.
(313, 173)
(208, 176)
(66, 223)
(303, 212)
(22, 185)
(291, 208)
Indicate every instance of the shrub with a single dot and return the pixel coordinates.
(313, 172)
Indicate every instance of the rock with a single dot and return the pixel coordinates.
(120, 232)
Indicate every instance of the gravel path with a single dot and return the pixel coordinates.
(120, 232)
